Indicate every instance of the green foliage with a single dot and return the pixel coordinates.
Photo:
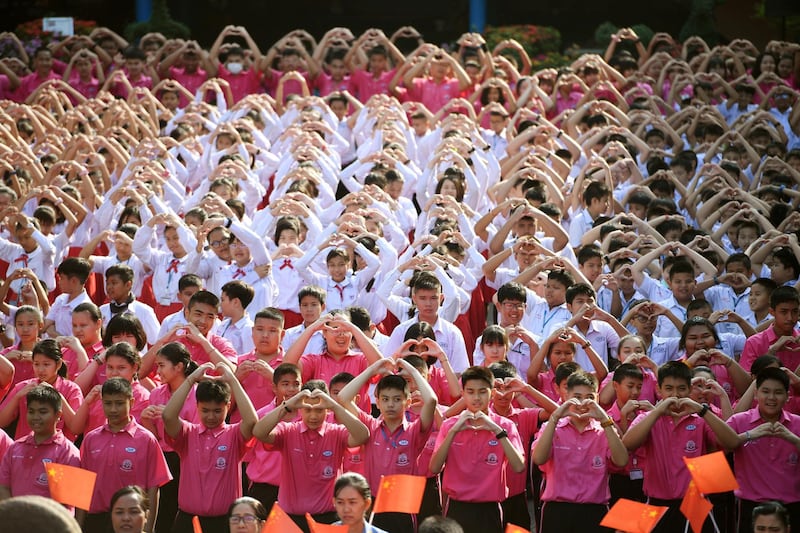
(603, 33)
(701, 22)
(160, 21)
(542, 43)
(644, 32)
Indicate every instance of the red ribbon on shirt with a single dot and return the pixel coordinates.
(341, 291)
(173, 266)
(22, 259)
(287, 263)
(239, 273)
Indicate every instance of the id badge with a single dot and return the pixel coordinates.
(636, 474)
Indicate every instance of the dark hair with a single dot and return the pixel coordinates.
(776, 374)
(189, 280)
(512, 291)
(565, 370)
(50, 349)
(696, 321)
(125, 322)
(239, 290)
(772, 508)
(314, 291)
(92, 309)
(28, 309)
(354, 480)
(342, 378)
(440, 524)
(125, 351)
(503, 370)
(627, 370)
(123, 272)
(144, 501)
(259, 510)
(204, 297)
(787, 258)
(392, 382)
(675, 369)
(581, 378)
(783, 294)
(134, 52)
(477, 373)
(213, 391)
(561, 276)
(270, 313)
(177, 354)
(595, 190)
(285, 369)
(75, 267)
(764, 361)
(579, 289)
(589, 252)
(120, 386)
(284, 224)
(46, 395)
(360, 317)
(739, 258)
(698, 304)
(494, 334)
(315, 384)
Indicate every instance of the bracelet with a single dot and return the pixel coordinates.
(502, 435)
(702, 412)
(587, 344)
(286, 407)
(607, 423)
(716, 280)
(748, 436)
(228, 223)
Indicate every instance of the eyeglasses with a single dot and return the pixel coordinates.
(513, 305)
(238, 244)
(217, 244)
(246, 518)
(643, 318)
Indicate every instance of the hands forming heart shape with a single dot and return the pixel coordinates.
(475, 420)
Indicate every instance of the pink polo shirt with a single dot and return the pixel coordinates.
(5, 443)
(389, 453)
(21, 468)
(190, 80)
(263, 461)
(637, 457)
(130, 456)
(527, 422)
(22, 369)
(242, 84)
(258, 388)
(758, 345)
(766, 468)
(548, 387)
(71, 359)
(211, 467)
(649, 384)
(363, 84)
(577, 469)
(437, 379)
(88, 89)
(69, 390)
(475, 465)
(325, 84)
(97, 417)
(31, 82)
(161, 396)
(323, 366)
(667, 444)
(312, 460)
(200, 356)
(433, 95)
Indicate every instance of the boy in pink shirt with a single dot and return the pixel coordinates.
(122, 453)
(395, 442)
(254, 370)
(573, 451)
(21, 469)
(678, 427)
(312, 450)
(444, 81)
(211, 452)
(766, 458)
(477, 447)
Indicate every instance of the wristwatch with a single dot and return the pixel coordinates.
(608, 422)
(502, 435)
(702, 412)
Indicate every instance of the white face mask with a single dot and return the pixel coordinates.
(234, 68)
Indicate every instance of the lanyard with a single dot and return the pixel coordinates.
(392, 442)
(548, 318)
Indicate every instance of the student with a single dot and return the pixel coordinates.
(264, 463)
(560, 347)
(119, 285)
(352, 499)
(254, 369)
(777, 339)
(545, 315)
(473, 449)
(87, 330)
(768, 441)
(596, 201)
(72, 274)
(632, 351)
(237, 326)
(173, 366)
(27, 324)
(772, 517)
(681, 282)
(421, 340)
(122, 453)
(730, 291)
(758, 301)
(208, 481)
(21, 469)
(573, 450)
(50, 369)
(427, 298)
(395, 442)
(599, 328)
(677, 427)
(203, 345)
(338, 356)
(188, 284)
(307, 486)
(312, 305)
(32, 250)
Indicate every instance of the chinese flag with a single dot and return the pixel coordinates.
(633, 517)
(316, 527)
(399, 493)
(70, 485)
(511, 528)
(279, 522)
(711, 473)
(695, 507)
(196, 525)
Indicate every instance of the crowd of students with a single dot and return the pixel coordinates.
(231, 272)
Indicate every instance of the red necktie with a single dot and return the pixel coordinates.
(173, 266)
(22, 259)
(239, 273)
(287, 263)
(341, 292)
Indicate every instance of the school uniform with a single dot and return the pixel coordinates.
(41, 260)
(519, 354)
(61, 311)
(766, 468)
(264, 288)
(474, 474)
(542, 320)
(323, 366)
(723, 297)
(264, 465)
(141, 400)
(239, 333)
(448, 336)
(605, 342)
(758, 345)
(22, 369)
(21, 468)
(200, 356)
(68, 390)
(258, 388)
(665, 327)
(140, 310)
(316, 344)
(515, 507)
(101, 263)
(627, 481)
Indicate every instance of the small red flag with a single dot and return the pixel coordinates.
(633, 517)
(399, 493)
(279, 522)
(711, 473)
(316, 527)
(70, 485)
(695, 507)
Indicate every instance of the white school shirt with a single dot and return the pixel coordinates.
(289, 282)
(605, 342)
(316, 344)
(239, 333)
(723, 297)
(665, 327)
(170, 321)
(541, 320)
(143, 312)
(448, 336)
(167, 269)
(41, 261)
(519, 355)
(264, 288)
(61, 311)
(604, 297)
(101, 263)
